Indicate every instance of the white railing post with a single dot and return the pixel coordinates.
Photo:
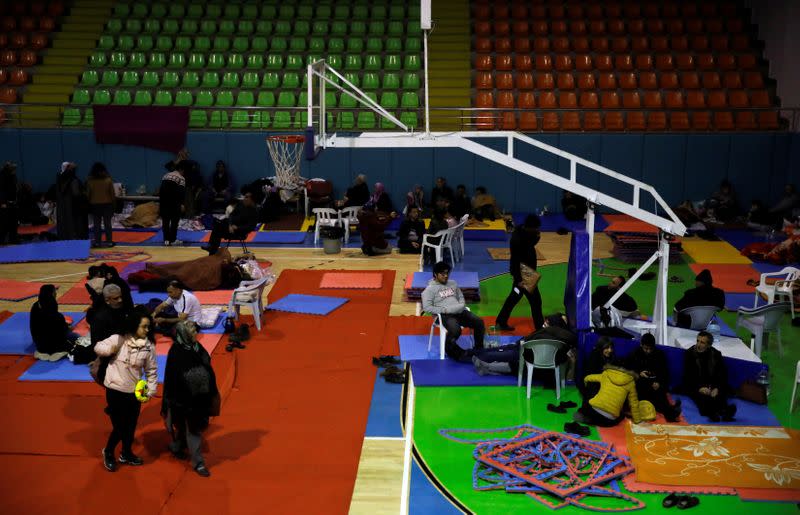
(660, 308)
(405, 490)
(427, 106)
(590, 214)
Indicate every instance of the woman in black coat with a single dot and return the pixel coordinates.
(602, 354)
(49, 329)
(190, 395)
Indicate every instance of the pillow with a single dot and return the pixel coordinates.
(209, 316)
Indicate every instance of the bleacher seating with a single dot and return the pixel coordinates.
(675, 65)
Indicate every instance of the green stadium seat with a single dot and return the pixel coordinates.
(278, 44)
(302, 28)
(142, 98)
(80, 96)
(336, 45)
(335, 61)
(301, 120)
(241, 43)
(178, 11)
(170, 27)
(183, 43)
(230, 80)
(387, 124)
(194, 11)
(258, 44)
(316, 45)
(170, 79)
(249, 12)
(90, 78)
(163, 43)
(345, 121)
(413, 45)
(204, 98)
(208, 27)
(370, 81)
(130, 78)
(224, 99)
(323, 12)
(410, 119)
(88, 118)
(189, 27)
(144, 43)
(305, 12)
(271, 80)
(378, 12)
(282, 121)
(152, 27)
(353, 62)
(71, 116)
(235, 61)
(215, 61)
(330, 99)
(101, 97)
(286, 99)
(390, 81)
(138, 10)
(409, 100)
(372, 95)
(133, 26)
(341, 12)
(191, 79)
(245, 99)
(366, 120)
(360, 12)
(226, 27)
(197, 61)
(202, 44)
(274, 62)
(294, 62)
(374, 45)
(353, 77)
(121, 11)
(136, 60)
(397, 12)
(413, 28)
(210, 80)
(297, 45)
(395, 28)
(232, 12)
(213, 11)
(106, 43)
(389, 100)
(245, 27)
(348, 102)
(260, 119)
(392, 62)
(156, 60)
(250, 80)
(310, 58)
(266, 99)
(198, 118)
(97, 60)
(411, 81)
(114, 26)
(122, 97)
(339, 28)
(394, 45)
(291, 80)
(222, 44)
(377, 28)
(240, 120)
(268, 11)
(413, 12)
(320, 28)
(302, 99)
(150, 79)
(176, 60)
(358, 28)
(286, 12)
(117, 60)
(355, 45)
(283, 28)
(373, 62)
(255, 61)
(264, 27)
(158, 11)
(412, 63)
(183, 98)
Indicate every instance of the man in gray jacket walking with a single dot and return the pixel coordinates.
(443, 296)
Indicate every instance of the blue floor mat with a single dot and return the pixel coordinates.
(424, 498)
(553, 221)
(65, 370)
(463, 279)
(15, 333)
(280, 237)
(446, 372)
(384, 410)
(217, 328)
(740, 238)
(144, 297)
(768, 268)
(733, 301)
(485, 235)
(65, 250)
(185, 236)
(307, 304)
(415, 347)
(747, 413)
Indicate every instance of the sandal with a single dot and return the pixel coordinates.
(671, 500)
(675, 279)
(687, 502)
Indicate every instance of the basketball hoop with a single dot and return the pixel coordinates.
(287, 152)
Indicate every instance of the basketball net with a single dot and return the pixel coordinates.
(287, 153)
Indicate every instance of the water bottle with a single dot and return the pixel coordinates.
(491, 340)
(763, 378)
(713, 328)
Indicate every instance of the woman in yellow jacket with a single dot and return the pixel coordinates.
(617, 385)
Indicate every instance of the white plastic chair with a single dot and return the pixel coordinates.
(325, 217)
(458, 237)
(445, 241)
(782, 288)
(349, 216)
(699, 315)
(249, 294)
(544, 357)
(794, 390)
(763, 320)
(437, 322)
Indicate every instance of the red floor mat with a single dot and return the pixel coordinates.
(18, 290)
(731, 278)
(633, 226)
(351, 280)
(219, 297)
(34, 229)
(77, 294)
(132, 236)
(249, 238)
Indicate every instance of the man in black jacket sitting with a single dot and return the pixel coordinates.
(703, 294)
(651, 364)
(241, 221)
(602, 294)
(705, 379)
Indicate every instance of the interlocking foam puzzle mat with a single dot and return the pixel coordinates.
(307, 304)
(65, 370)
(420, 280)
(714, 252)
(279, 237)
(15, 332)
(732, 278)
(733, 301)
(183, 235)
(249, 238)
(747, 413)
(217, 297)
(358, 280)
(487, 225)
(64, 250)
(18, 290)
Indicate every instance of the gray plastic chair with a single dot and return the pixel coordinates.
(544, 357)
(700, 315)
(761, 321)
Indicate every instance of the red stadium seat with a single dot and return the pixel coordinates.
(656, 121)
(597, 27)
(558, 27)
(504, 80)
(556, 11)
(695, 99)
(723, 121)
(38, 41)
(674, 100)
(547, 99)
(577, 28)
(541, 45)
(503, 62)
(617, 27)
(726, 61)
(768, 120)
(592, 121)
(613, 9)
(610, 100)
(711, 80)
(528, 122)
(631, 100)
(690, 80)
(580, 45)
(8, 96)
(519, 11)
(483, 62)
(47, 24)
(753, 80)
(655, 26)
(620, 45)
(18, 40)
(524, 80)
(647, 80)
(538, 12)
(523, 62)
(760, 98)
(540, 28)
(543, 62)
(699, 43)
(675, 27)
(508, 121)
(583, 62)
(567, 100)
(483, 45)
(670, 10)
(3, 75)
(668, 80)
(679, 43)
(705, 61)
(484, 99)
(613, 121)
(734, 25)
(632, 10)
(561, 45)
(738, 98)
(502, 45)
(626, 80)
(653, 100)
(603, 62)
(8, 57)
(565, 81)
(484, 80)
(719, 42)
(740, 43)
(505, 100)
(545, 81)
(570, 121)
(623, 63)
(485, 121)
(688, 9)
(640, 44)
(708, 9)
(650, 11)
(717, 99)
(679, 121)
(586, 81)
(522, 45)
(527, 100)
(634, 121)
(686, 62)
(714, 26)
(600, 45)
(575, 12)
(501, 10)
(644, 62)
(664, 62)
(502, 28)
(594, 11)
(635, 27)
(747, 61)
(701, 120)
(18, 77)
(732, 80)
(27, 58)
(564, 63)
(608, 80)
(482, 11)
(483, 28)
(589, 100)
(694, 26)
(745, 120)
(520, 28)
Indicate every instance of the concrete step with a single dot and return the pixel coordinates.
(82, 26)
(45, 98)
(54, 79)
(74, 44)
(58, 69)
(64, 60)
(63, 52)
(456, 47)
(49, 89)
(90, 13)
(449, 101)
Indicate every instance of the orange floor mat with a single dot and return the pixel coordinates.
(207, 237)
(78, 294)
(18, 290)
(34, 229)
(631, 226)
(731, 278)
(350, 280)
(132, 236)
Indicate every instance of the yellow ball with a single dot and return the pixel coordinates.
(141, 391)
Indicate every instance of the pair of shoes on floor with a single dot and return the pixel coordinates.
(234, 345)
(130, 459)
(202, 470)
(394, 375)
(385, 361)
(242, 334)
(577, 429)
(562, 407)
(681, 501)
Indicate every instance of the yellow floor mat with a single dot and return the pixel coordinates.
(713, 252)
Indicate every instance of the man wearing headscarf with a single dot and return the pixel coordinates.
(703, 294)
(71, 205)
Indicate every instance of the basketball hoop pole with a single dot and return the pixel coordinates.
(427, 107)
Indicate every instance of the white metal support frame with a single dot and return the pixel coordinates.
(405, 490)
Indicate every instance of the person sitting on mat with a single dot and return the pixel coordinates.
(101, 275)
(601, 355)
(722, 206)
(441, 190)
(190, 395)
(372, 222)
(484, 205)
(238, 225)
(181, 304)
(602, 294)
(443, 296)
(522, 266)
(705, 379)
(616, 386)
(703, 294)
(415, 198)
(51, 334)
(650, 363)
(412, 229)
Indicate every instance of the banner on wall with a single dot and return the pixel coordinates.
(161, 128)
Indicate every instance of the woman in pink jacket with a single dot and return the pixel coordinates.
(132, 355)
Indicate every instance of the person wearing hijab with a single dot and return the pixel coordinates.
(415, 198)
(50, 331)
(190, 395)
(703, 294)
(380, 199)
(602, 354)
(71, 205)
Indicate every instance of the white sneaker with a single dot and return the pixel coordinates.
(177, 243)
(167, 244)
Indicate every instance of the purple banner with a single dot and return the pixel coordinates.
(161, 128)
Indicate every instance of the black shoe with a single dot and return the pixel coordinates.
(567, 404)
(556, 409)
(577, 429)
(396, 378)
(688, 501)
(208, 249)
(108, 461)
(391, 370)
(504, 327)
(202, 470)
(178, 455)
(243, 332)
(671, 500)
(229, 347)
(130, 459)
(385, 361)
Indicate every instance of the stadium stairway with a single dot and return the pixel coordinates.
(450, 71)
(63, 63)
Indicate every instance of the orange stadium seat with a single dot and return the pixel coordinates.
(699, 43)
(485, 121)
(644, 62)
(522, 45)
(504, 62)
(505, 100)
(540, 28)
(674, 100)
(483, 28)
(717, 99)
(565, 81)
(640, 44)
(659, 44)
(583, 62)
(504, 80)
(3, 75)
(600, 45)
(745, 120)
(547, 100)
(589, 100)
(607, 80)
(627, 80)
(705, 61)
(484, 80)
(723, 121)
(543, 62)
(502, 28)
(690, 80)
(732, 80)
(685, 61)
(541, 44)
(623, 63)
(508, 121)
(648, 80)
(753, 80)
(668, 80)
(653, 100)
(650, 11)
(586, 81)
(664, 62)
(561, 45)
(527, 100)
(656, 121)
(679, 43)
(524, 80)
(747, 61)
(18, 77)
(483, 45)
(768, 120)
(577, 28)
(597, 27)
(675, 27)
(760, 98)
(738, 98)
(564, 63)
(603, 62)
(545, 81)
(502, 45)
(567, 100)
(523, 62)
(483, 62)
(711, 80)
(610, 100)
(634, 121)
(580, 45)
(679, 120)
(695, 99)
(726, 61)
(617, 27)
(719, 42)
(620, 45)
(484, 99)
(520, 28)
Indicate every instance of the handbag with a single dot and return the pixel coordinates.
(98, 368)
(530, 277)
(753, 392)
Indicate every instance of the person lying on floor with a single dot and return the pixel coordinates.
(505, 359)
(443, 297)
(238, 225)
(412, 229)
(703, 294)
(51, 334)
(624, 304)
(217, 271)
(181, 304)
(617, 385)
(650, 363)
(705, 379)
